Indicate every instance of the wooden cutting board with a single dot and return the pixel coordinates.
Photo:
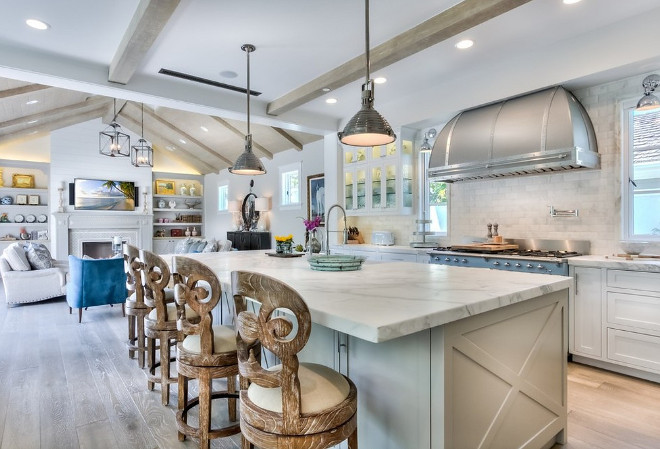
(484, 247)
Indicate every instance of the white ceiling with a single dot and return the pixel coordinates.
(540, 43)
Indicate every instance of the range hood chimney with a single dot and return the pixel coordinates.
(546, 131)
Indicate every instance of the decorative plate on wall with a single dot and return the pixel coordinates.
(42, 218)
(30, 218)
(19, 218)
(6, 200)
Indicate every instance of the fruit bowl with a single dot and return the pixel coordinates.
(633, 247)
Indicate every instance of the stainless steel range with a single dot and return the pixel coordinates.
(530, 256)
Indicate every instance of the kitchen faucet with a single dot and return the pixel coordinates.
(327, 228)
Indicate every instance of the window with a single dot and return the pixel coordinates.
(223, 198)
(438, 207)
(641, 174)
(290, 186)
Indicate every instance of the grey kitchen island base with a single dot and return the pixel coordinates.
(493, 380)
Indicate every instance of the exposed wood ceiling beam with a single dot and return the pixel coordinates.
(23, 90)
(53, 124)
(54, 115)
(189, 159)
(147, 23)
(150, 112)
(289, 137)
(448, 23)
(238, 132)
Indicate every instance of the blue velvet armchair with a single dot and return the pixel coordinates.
(95, 282)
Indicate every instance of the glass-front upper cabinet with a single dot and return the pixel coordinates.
(379, 179)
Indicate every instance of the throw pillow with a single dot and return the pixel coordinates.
(198, 247)
(211, 247)
(15, 255)
(183, 246)
(38, 256)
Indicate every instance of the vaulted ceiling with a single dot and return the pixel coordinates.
(306, 52)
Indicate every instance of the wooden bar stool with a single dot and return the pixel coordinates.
(205, 353)
(293, 405)
(160, 324)
(136, 309)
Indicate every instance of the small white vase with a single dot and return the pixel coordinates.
(187, 232)
(194, 232)
(192, 190)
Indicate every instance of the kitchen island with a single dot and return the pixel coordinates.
(443, 357)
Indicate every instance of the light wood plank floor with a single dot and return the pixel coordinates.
(70, 385)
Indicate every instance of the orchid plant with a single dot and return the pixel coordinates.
(312, 224)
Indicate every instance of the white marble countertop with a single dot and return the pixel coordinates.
(652, 265)
(383, 301)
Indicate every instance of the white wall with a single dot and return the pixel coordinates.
(279, 222)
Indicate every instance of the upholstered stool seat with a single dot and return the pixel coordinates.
(171, 313)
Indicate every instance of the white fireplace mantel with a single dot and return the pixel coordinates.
(70, 229)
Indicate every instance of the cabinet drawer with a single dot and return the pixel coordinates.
(635, 349)
(639, 311)
(400, 257)
(635, 280)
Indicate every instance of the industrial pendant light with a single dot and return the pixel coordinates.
(113, 142)
(367, 127)
(426, 146)
(247, 163)
(142, 155)
(649, 101)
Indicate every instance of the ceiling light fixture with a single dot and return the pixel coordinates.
(112, 141)
(465, 43)
(570, 2)
(182, 141)
(37, 24)
(29, 102)
(331, 100)
(204, 128)
(247, 163)
(367, 127)
(326, 89)
(380, 80)
(649, 101)
(426, 146)
(142, 155)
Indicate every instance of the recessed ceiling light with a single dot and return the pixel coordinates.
(182, 141)
(570, 2)
(169, 148)
(204, 128)
(465, 43)
(331, 100)
(380, 80)
(32, 121)
(228, 74)
(32, 102)
(326, 89)
(37, 24)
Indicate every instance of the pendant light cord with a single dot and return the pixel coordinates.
(248, 50)
(142, 120)
(366, 38)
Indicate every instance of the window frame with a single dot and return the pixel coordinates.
(282, 170)
(225, 187)
(627, 190)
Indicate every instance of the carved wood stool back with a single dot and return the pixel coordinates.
(136, 308)
(294, 405)
(206, 352)
(160, 323)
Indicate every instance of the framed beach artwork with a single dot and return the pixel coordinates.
(316, 197)
(164, 187)
(22, 181)
(97, 194)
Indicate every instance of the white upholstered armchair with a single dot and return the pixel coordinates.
(33, 285)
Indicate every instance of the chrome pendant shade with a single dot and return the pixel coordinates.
(367, 127)
(426, 146)
(649, 101)
(142, 155)
(248, 163)
(112, 141)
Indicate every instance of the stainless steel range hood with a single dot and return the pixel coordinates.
(546, 131)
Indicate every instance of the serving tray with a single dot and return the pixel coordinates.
(285, 255)
(335, 263)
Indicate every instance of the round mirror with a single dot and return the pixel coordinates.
(250, 215)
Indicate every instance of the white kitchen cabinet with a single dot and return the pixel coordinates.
(586, 311)
(379, 179)
(615, 320)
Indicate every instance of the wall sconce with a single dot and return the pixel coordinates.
(426, 146)
(649, 101)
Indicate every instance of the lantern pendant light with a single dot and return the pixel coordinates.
(367, 127)
(112, 141)
(247, 163)
(142, 155)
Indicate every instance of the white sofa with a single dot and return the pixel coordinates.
(33, 285)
